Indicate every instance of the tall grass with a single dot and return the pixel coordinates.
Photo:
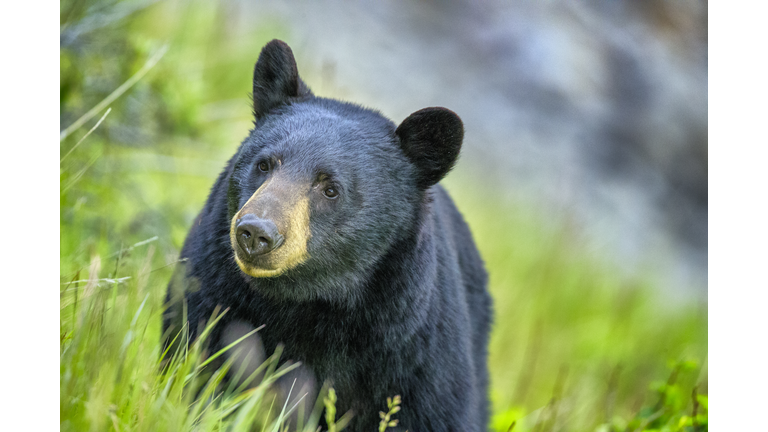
(576, 343)
(116, 375)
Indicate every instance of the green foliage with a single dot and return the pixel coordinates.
(675, 409)
(115, 375)
(330, 413)
(386, 418)
(669, 413)
(575, 344)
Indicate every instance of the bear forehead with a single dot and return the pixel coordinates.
(313, 130)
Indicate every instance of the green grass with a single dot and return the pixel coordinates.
(115, 376)
(576, 345)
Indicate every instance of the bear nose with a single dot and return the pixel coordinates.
(257, 236)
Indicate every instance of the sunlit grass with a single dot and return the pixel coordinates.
(569, 327)
(116, 375)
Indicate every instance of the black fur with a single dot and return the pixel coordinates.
(393, 298)
(431, 137)
(276, 78)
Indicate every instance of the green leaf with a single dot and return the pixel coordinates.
(702, 399)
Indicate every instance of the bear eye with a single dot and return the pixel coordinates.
(331, 192)
(263, 166)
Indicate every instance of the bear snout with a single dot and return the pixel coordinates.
(256, 236)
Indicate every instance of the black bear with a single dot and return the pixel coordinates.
(328, 227)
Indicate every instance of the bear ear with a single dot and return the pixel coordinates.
(275, 78)
(431, 138)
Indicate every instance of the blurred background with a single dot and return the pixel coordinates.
(583, 173)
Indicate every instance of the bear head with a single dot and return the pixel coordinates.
(322, 190)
